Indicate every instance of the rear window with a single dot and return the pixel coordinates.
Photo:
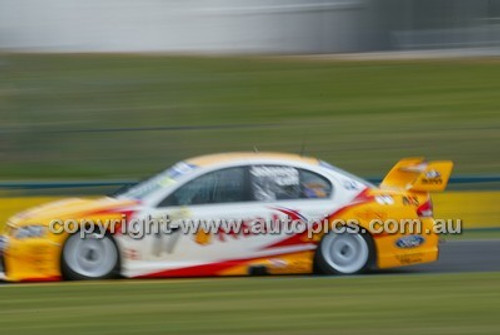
(347, 174)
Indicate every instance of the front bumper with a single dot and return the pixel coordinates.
(30, 259)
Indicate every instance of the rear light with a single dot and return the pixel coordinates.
(426, 209)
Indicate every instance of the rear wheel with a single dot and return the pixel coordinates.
(344, 253)
(90, 257)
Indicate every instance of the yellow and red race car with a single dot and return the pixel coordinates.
(233, 214)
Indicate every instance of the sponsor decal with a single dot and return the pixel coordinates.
(233, 229)
(278, 263)
(282, 176)
(432, 174)
(384, 199)
(370, 214)
(203, 238)
(411, 241)
(410, 200)
(180, 169)
(131, 253)
(432, 177)
(410, 259)
(272, 182)
(350, 185)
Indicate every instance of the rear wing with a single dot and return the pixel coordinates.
(416, 174)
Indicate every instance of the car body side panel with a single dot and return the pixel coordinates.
(157, 254)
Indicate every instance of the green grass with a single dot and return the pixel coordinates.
(378, 304)
(362, 116)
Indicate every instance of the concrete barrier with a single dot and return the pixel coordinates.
(476, 209)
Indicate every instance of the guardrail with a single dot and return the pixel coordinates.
(37, 185)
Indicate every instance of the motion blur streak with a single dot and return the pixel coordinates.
(348, 113)
(247, 26)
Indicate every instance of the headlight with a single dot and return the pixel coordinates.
(29, 232)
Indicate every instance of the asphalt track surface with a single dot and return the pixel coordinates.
(459, 256)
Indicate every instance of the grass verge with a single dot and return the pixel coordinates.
(378, 304)
(119, 116)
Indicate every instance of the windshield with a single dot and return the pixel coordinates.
(347, 174)
(163, 179)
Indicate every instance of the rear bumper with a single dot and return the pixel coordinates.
(390, 253)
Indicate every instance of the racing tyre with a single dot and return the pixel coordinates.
(345, 253)
(90, 257)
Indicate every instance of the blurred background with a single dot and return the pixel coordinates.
(95, 94)
(244, 26)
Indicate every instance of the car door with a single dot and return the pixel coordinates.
(242, 212)
(289, 193)
(307, 192)
(201, 206)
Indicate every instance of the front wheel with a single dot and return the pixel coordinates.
(90, 257)
(344, 253)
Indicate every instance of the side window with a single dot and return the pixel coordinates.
(314, 186)
(273, 182)
(222, 186)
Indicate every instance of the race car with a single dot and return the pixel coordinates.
(233, 193)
